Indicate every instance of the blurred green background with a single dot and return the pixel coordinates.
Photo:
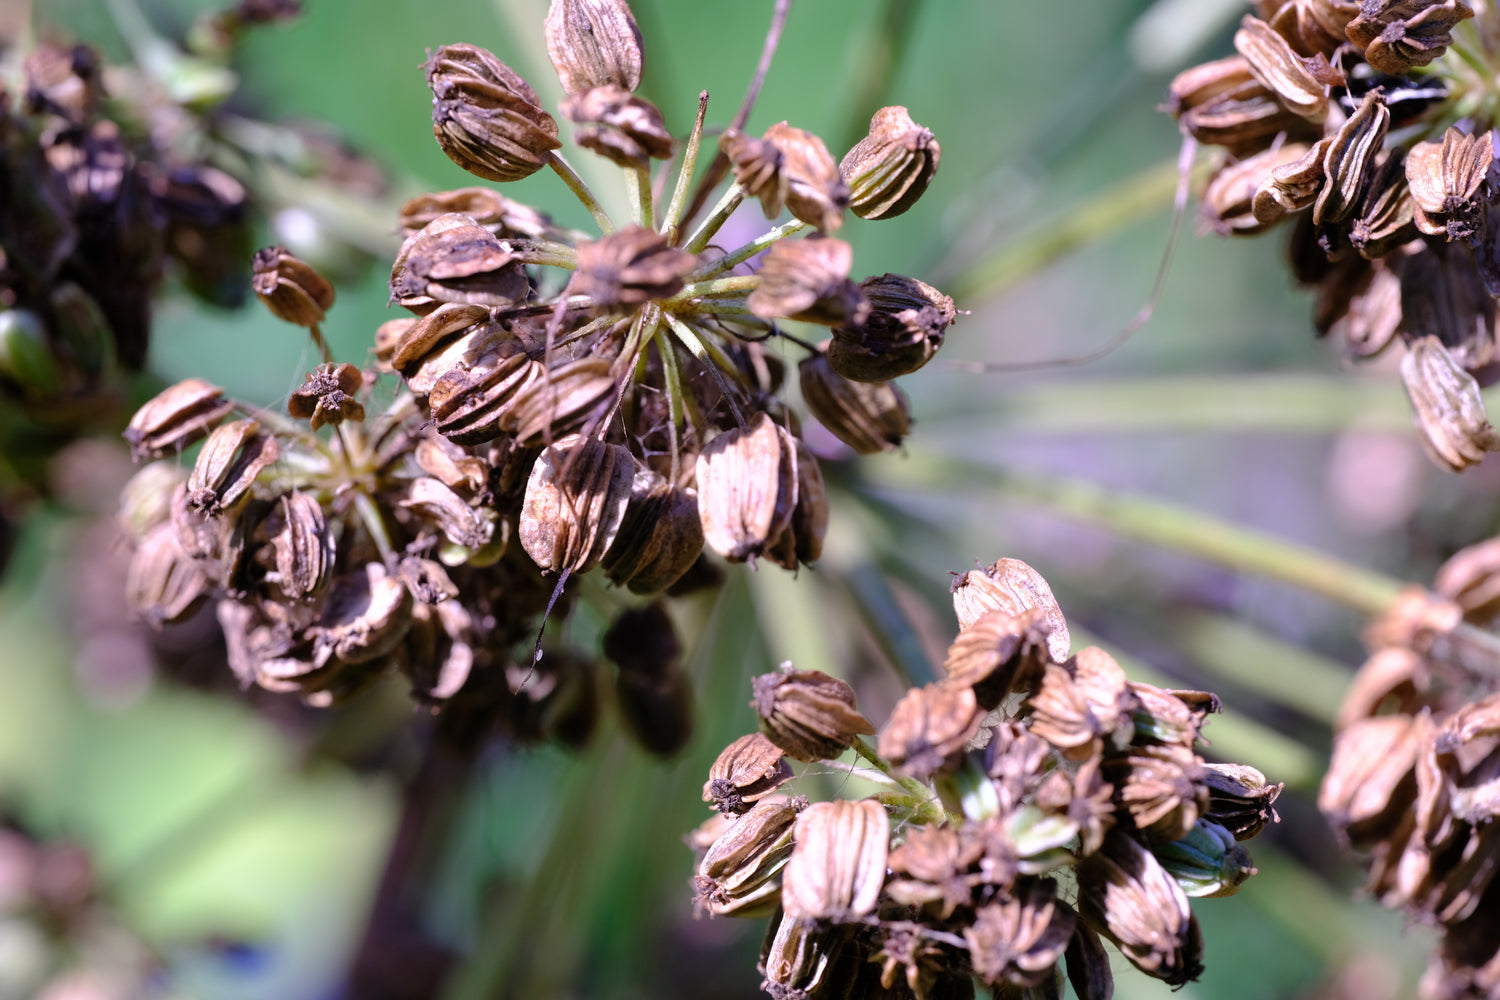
(244, 844)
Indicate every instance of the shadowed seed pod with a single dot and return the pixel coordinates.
(454, 259)
(808, 280)
(808, 714)
(485, 117)
(574, 503)
(293, 291)
(594, 43)
(901, 332)
(1018, 938)
(738, 874)
(619, 126)
(630, 266)
(999, 653)
(889, 169)
(1127, 896)
(180, 415)
(1447, 406)
(869, 417)
(660, 536)
(930, 728)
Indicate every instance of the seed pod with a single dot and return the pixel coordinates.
(594, 43)
(175, 418)
(890, 168)
(643, 641)
(437, 654)
(815, 188)
(737, 874)
(488, 208)
(304, 547)
(327, 396)
(231, 459)
(630, 266)
(454, 259)
(1126, 895)
(1371, 781)
(618, 125)
(1084, 705)
(1086, 960)
(1446, 406)
(837, 865)
(1161, 787)
(1445, 176)
(657, 711)
(747, 488)
(999, 653)
(1018, 938)
(802, 542)
(869, 417)
(471, 404)
(1222, 104)
(1293, 183)
(467, 527)
(808, 714)
(1398, 36)
(1471, 578)
(904, 329)
(930, 728)
(796, 954)
(808, 279)
(293, 291)
(80, 328)
(1013, 586)
(1163, 716)
(575, 500)
(451, 465)
(1387, 217)
(660, 536)
(367, 615)
(163, 584)
(1229, 200)
(1207, 862)
(746, 771)
(757, 169)
(485, 117)
(562, 399)
(935, 862)
(1240, 799)
(146, 500)
(1273, 62)
(1350, 159)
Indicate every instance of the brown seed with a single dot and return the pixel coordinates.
(1350, 159)
(501, 215)
(815, 188)
(1274, 63)
(1292, 184)
(175, 418)
(472, 400)
(291, 288)
(1083, 705)
(935, 862)
(1018, 938)
(454, 259)
(998, 653)
(594, 43)
(327, 396)
(1240, 799)
(1471, 578)
(428, 581)
(1445, 176)
(930, 728)
(1371, 780)
(796, 955)
(1126, 895)
(747, 488)
(757, 169)
(1446, 406)
(660, 536)
(1386, 218)
(903, 330)
(303, 545)
(619, 126)
(890, 168)
(231, 459)
(869, 417)
(1087, 962)
(485, 117)
(746, 771)
(559, 400)
(837, 865)
(367, 615)
(808, 714)
(1230, 199)
(575, 501)
(630, 266)
(737, 876)
(1013, 586)
(1400, 34)
(1161, 787)
(163, 584)
(465, 526)
(808, 279)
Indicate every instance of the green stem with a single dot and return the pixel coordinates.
(715, 287)
(705, 349)
(638, 187)
(575, 183)
(685, 174)
(916, 789)
(369, 515)
(320, 343)
(672, 386)
(750, 249)
(730, 201)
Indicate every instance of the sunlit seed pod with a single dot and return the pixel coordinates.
(619, 126)
(1350, 160)
(815, 189)
(472, 405)
(1019, 937)
(303, 545)
(575, 501)
(630, 266)
(594, 43)
(869, 417)
(1162, 788)
(1126, 895)
(463, 525)
(488, 208)
(808, 714)
(178, 416)
(837, 867)
(747, 488)
(1446, 406)
(289, 287)
(564, 399)
(747, 770)
(486, 118)
(930, 728)
(454, 259)
(427, 580)
(1396, 37)
(1285, 73)
(1013, 586)
(1084, 705)
(999, 653)
(750, 853)
(1371, 781)
(808, 279)
(891, 167)
(227, 466)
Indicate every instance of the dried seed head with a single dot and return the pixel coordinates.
(1399, 34)
(1161, 787)
(619, 126)
(164, 583)
(746, 771)
(803, 540)
(1233, 202)
(1240, 799)
(327, 396)
(747, 488)
(1083, 705)
(293, 291)
(902, 331)
(485, 117)
(1371, 781)
(367, 615)
(1088, 963)
(1285, 73)
(594, 43)
(1471, 579)
(869, 417)
(178, 416)
(888, 170)
(630, 266)
(1222, 104)
(808, 714)
(837, 865)
(1013, 587)
(1164, 716)
(465, 526)
(796, 954)
(1019, 938)
(454, 259)
(575, 500)
(499, 214)
(757, 169)
(808, 279)
(1446, 406)
(930, 728)
(660, 536)
(1125, 894)
(1387, 217)
(1350, 159)
(999, 653)
(303, 545)
(1445, 176)
(559, 400)
(146, 500)
(232, 457)
(1292, 184)
(738, 874)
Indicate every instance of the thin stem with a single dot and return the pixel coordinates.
(575, 183)
(917, 789)
(369, 515)
(322, 345)
(730, 201)
(672, 386)
(685, 174)
(715, 307)
(638, 187)
(705, 349)
(715, 287)
(750, 249)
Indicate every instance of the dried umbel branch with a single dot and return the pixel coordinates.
(1004, 845)
(1357, 124)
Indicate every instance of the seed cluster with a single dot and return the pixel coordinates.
(1369, 127)
(1412, 784)
(569, 403)
(1034, 803)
